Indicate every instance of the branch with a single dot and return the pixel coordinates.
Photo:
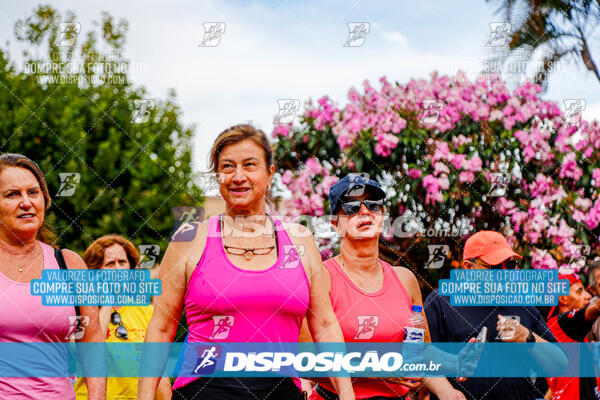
(586, 56)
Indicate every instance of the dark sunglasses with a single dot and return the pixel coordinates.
(508, 264)
(352, 207)
(115, 319)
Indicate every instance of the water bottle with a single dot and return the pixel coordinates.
(414, 334)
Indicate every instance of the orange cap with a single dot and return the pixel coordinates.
(492, 247)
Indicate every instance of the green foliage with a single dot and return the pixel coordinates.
(82, 120)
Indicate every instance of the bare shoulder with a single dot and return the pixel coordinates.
(408, 279)
(188, 252)
(298, 233)
(73, 260)
(303, 239)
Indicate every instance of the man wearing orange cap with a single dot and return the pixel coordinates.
(570, 322)
(484, 250)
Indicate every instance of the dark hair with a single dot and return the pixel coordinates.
(94, 254)
(45, 233)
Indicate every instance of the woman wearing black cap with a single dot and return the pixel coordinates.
(371, 299)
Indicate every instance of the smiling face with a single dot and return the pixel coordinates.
(363, 225)
(22, 204)
(246, 177)
(115, 257)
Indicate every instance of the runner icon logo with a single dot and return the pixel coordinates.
(212, 34)
(499, 34)
(287, 111)
(223, 324)
(366, 326)
(68, 33)
(207, 359)
(357, 33)
(68, 183)
(437, 256)
(292, 255)
(148, 255)
(77, 324)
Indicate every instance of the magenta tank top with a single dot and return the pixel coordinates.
(224, 303)
(369, 317)
(23, 318)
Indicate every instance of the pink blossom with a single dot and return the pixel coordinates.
(353, 95)
(596, 177)
(569, 168)
(281, 130)
(316, 203)
(385, 144)
(583, 203)
(506, 207)
(474, 164)
(442, 152)
(593, 216)
(287, 177)
(466, 176)
(432, 186)
(541, 259)
(458, 161)
(414, 173)
(313, 166)
(496, 115)
(440, 167)
(562, 233)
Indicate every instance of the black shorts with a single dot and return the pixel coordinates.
(239, 389)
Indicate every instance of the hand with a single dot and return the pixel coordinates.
(510, 330)
(411, 383)
(452, 395)
(468, 358)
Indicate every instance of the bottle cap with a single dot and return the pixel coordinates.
(417, 308)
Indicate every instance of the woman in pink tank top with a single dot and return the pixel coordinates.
(371, 299)
(241, 277)
(24, 200)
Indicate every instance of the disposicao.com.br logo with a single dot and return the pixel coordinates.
(370, 361)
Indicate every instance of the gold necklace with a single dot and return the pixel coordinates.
(22, 267)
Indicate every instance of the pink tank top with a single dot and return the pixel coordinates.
(224, 303)
(23, 318)
(369, 317)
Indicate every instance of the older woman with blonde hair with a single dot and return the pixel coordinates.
(26, 249)
(234, 281)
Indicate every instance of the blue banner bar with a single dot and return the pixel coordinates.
(299, 359)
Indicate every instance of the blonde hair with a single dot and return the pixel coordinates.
(7, 160)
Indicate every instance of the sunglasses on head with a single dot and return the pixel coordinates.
(352, 207)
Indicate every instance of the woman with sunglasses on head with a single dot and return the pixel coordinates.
(26, 249)
(120, 324)
(372, 300)
(238, 280)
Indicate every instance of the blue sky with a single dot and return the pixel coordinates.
(280, 50)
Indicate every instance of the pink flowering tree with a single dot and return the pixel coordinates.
(455, 157)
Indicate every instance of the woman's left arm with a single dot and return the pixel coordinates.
(322, 322)
(96, 386)
(440, 385)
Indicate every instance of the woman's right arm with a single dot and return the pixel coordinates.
(168, 305)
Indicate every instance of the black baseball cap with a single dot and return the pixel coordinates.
(352, 185)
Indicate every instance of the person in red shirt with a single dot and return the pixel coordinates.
(570, 322)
